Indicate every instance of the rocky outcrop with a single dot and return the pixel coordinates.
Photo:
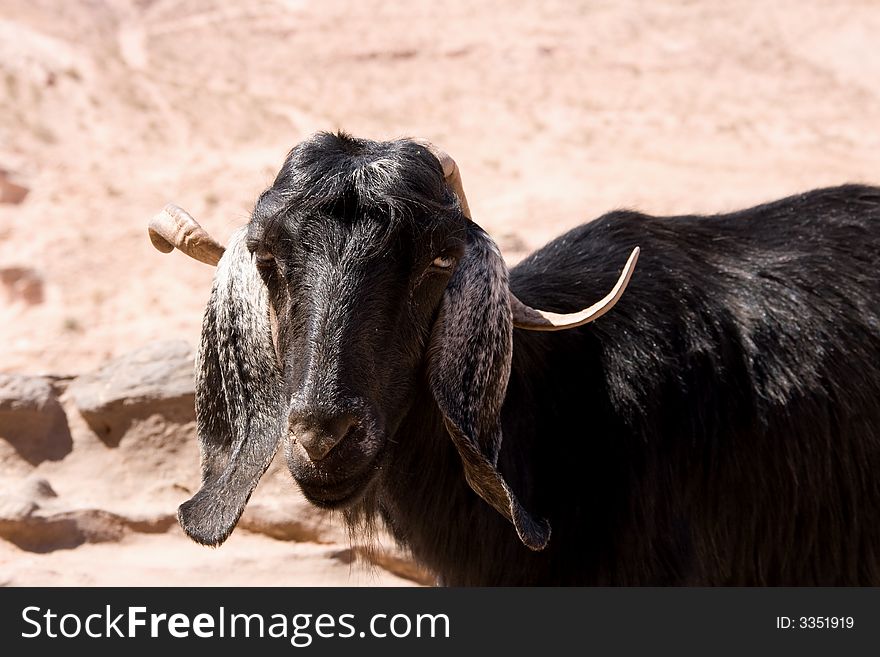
(119, 447)
(156, 379)
(12, 191)
(23, 284)
(34, 519)
(33, 425)
(123, 451)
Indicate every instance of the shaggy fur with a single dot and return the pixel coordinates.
(720, 426)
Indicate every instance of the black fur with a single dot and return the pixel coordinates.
(720, 426)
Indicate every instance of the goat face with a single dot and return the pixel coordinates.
(358, 279)
(355, 290)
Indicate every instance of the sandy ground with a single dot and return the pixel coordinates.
(556, 111)
(173, 560)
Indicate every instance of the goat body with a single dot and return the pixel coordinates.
(719, 426)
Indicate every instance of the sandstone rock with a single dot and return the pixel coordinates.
(145, 462)
(33, 518)
(22, 284)
(33, 425)
(11, 190)
(37, 532)
(154, 380)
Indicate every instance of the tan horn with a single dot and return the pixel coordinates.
(174, 228)
(450, 172)
(525, 317)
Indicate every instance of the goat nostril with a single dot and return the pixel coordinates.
(318, 438)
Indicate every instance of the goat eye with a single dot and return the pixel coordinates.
(443, 262)
(264, 259)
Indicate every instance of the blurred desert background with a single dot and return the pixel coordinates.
(556, 112)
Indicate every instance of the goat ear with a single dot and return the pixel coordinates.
(469, 365)
(238, 397)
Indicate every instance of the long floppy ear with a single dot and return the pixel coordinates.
(469, 365)
(238, 397)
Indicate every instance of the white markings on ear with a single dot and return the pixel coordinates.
(469, 366)
(238, 397)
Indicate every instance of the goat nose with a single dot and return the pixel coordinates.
(320, 435)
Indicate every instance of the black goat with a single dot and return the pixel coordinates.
(721, 426)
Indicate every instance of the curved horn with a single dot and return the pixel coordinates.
(450, 172)
(174, 228)
(525, 317)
